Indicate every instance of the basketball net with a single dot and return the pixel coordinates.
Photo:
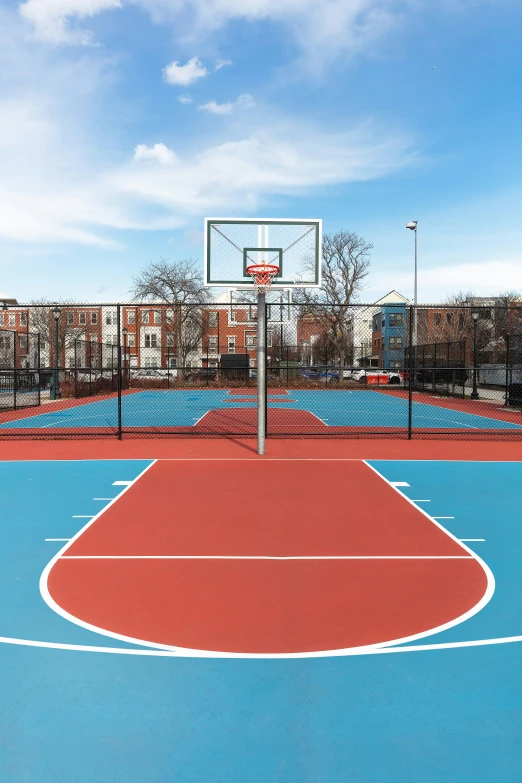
(262, 274)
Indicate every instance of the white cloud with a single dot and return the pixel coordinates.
(184, 75)
(216, 108)
(184, 99)
(243, 102)
(51, 18)
(221, 64)
(158, 152)
(291, 159)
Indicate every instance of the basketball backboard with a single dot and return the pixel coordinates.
(233, 244)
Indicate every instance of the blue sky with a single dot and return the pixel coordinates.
(124, 124)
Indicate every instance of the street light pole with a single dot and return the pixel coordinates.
(413, 227)
(474, 394)
(55, 389)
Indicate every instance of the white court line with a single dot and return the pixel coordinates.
(418, 501)
(180, 652)
(267, 557)
(57, 539)
(103, 498)
(490, 587)
(187, 652)
(444, 518)
(122, 483)
(472, 539)
(399, 483)
(83, 516)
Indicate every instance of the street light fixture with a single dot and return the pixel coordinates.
(55, 388)
(474, 394)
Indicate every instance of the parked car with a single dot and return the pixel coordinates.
(201, 374)
(151, 372)
(377, 376)
(320, 373)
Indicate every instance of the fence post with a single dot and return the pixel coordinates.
(15, 335)
(38, 362)
(433, 380)
(465, 368)
(118, 324)
(410, 375)
(506, 395)
(75, 369)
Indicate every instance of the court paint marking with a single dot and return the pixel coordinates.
(268, 557)
(189, 652)
(445, 518)
(57, 539)
(490, 589)
(399, 483)
(472, 539)
(123, 483)
(83, 516)
(103, 498)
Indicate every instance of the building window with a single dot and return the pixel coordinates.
(449, 317)
(131, 317)
(131, 340)
(212, 344)
(173, 363)
(231, 344)
(252, 312)
(151, 340)
(395, 343)
(83, 318)
(157, 317)
(22, 342)
(23, 319)
(12, 319)
(108, 319)
(251, 340)
(170, 339)
(396, 319)
(70, 318)
(151, 364)
(94, 318)
(395, 365)
(212, 319)
(145, 317)
(232, 315)
(71, 361)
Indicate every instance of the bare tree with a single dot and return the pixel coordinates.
(452, 322)
(178, 284)
(344, 267)
(41, 320)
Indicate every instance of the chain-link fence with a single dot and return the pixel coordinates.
(381, 370)
(20, 380)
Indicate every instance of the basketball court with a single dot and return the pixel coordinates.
(225, 609)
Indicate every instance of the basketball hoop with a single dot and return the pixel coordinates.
(262, 274)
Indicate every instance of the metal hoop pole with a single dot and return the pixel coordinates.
(261, 372)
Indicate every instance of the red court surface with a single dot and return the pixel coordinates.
(246, 448)
(274, 572)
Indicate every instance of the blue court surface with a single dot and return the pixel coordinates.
(334, 408)
(80, 707)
